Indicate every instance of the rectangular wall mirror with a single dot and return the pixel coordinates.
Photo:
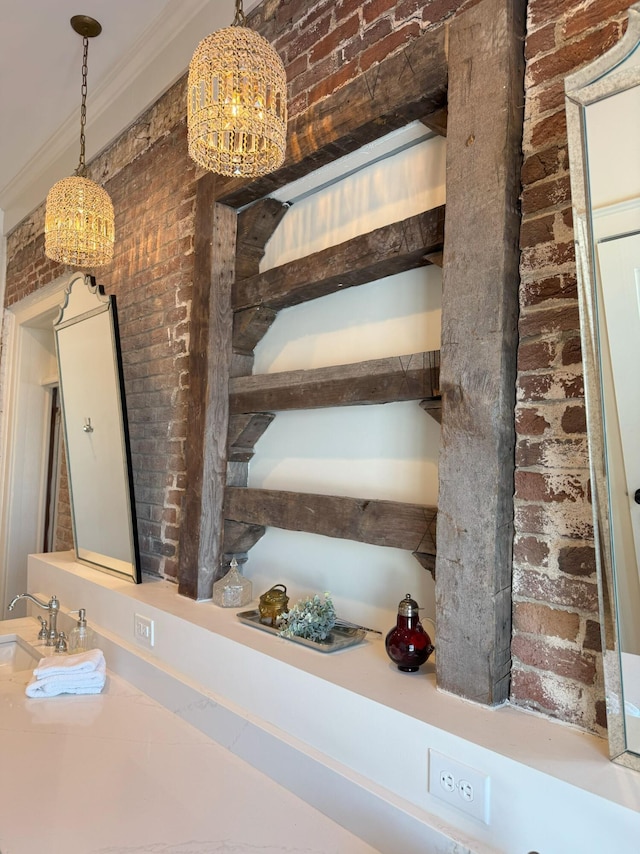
(95, 430)
(603, 122)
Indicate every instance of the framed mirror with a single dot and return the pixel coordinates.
(95, 430)
(603, 125)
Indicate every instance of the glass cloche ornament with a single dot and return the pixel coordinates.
(233, 590)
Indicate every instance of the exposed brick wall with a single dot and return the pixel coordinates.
(151, 180)
(324, 44)
(556, 666)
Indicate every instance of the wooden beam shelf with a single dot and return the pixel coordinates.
(405, 87)
(382, 252)
(411, 377)
(381, 523)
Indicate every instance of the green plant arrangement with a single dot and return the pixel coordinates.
(311, 618)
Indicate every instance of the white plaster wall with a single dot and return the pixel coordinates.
(384, 452)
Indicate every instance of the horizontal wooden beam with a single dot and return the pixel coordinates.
(400, 89)
(382, 252)
(411, 377)
(380, 523)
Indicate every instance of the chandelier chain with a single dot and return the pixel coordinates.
(240, 19)
(83, 108)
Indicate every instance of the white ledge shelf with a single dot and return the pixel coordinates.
(352, 720)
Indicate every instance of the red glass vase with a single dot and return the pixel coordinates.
(407, 644)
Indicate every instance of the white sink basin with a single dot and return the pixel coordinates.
(16, 656)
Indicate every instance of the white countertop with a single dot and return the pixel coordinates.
(118, 772)
(349, 733)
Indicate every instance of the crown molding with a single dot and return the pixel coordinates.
(155, 61)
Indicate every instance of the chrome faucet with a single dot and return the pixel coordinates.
(52, 606)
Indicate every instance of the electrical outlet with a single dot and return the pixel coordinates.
(459, 786)
(143, 630)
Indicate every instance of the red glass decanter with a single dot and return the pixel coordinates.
(407, 644)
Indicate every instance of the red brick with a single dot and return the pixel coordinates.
(577, 560)
(345, 73)
(372, 9)
(407, 8)
(334, 39)
(573, 55)
(549, 320)
(385, 47)
(535, 486)
(531, 550)
(545, 692)
(549, 386)
(551, 129)
(541, 11)
(556, 287)
(438, 10)
(533, 618)
(304, 40)
(539, 354)
(557, 659)
(534, 231)
(591, 16)
(574, 420)
(547, 257)
(541, 40)
(529, 422)
(548, 194)
(572, 352)
(552, 453)
(564, 591)
(547, 99)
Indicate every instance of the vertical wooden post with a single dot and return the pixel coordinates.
(209, 368)
(478, 354)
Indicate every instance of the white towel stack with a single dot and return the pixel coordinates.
(83, 673)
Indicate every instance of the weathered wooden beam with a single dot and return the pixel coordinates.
(395, 378)
(381, 523)
(479, 341)
(437, 121)
(244, 432)
(382, 252)
(256, 224)
(250, 326)
(209, 365)
(433, 405)
(426, 561)
(239, 537)
(399, 90)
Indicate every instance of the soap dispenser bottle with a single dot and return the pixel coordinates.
(81, 637)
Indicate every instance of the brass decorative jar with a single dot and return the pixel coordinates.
(273, 603)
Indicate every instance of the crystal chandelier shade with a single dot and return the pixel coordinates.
(79, 227)
(79, 223)
(237, 103)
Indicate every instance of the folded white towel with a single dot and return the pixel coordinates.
(73, 683)
(65, 665)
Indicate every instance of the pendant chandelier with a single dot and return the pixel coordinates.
(79, 221)
(237, 102)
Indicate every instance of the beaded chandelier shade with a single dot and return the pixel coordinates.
(237, 103)
(79, 219)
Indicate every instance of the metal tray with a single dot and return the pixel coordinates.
(340, 637)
